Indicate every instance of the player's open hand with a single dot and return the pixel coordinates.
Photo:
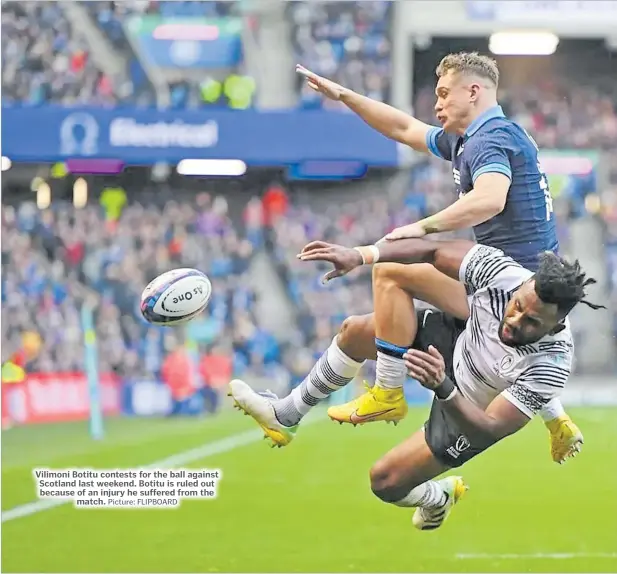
(344, 259)
(428, 369)
(406, 232)
(324, 86)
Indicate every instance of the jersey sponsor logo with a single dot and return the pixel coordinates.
(461, 445)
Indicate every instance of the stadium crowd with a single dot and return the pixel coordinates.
(57, 259)
(345, 41)
(43, 59)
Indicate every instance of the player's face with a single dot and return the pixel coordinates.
(454, 102)
(527, 318)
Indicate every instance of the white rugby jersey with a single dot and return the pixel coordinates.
(528, 376)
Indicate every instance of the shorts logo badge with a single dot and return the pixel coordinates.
(462, 444)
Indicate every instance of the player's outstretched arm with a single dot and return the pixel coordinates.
(447, 256)
(501, 418)
(389, 121)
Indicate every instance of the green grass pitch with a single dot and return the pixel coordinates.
(308, 507)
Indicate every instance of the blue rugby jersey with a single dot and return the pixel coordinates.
(496, 144)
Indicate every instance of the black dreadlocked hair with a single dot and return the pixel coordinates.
(562, 283)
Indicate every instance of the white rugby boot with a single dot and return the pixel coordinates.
(259, 406)
(432, 518)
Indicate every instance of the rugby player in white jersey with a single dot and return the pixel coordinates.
(490, 375)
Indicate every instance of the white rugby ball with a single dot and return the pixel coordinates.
(175, 297)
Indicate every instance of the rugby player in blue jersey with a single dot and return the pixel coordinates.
(503, 196)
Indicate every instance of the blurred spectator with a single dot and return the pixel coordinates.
(275, 203)
(216, 369)
(347, 42)
(178, 374)
(43, 60)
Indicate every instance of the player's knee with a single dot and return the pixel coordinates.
(389, 276)
(384, 272)
(385, 482)
(346, 334)
(355, 333)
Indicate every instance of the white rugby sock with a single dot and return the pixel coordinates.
(332, 372)
(552, 410)
(427, 495)
(391, 371)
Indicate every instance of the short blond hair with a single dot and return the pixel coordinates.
(470, 63)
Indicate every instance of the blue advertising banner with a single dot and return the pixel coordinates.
(148, 136)
(194, 43)
(153, 399)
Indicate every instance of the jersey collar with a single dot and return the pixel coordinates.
(490, 114)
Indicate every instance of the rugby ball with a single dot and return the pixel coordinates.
(175, 297)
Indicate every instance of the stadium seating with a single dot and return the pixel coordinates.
(42, 60)
(346, 41)
(54, 261)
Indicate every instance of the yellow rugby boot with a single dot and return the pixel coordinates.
(377, 404)
(566, 438)
(432, 518)
(259, 406)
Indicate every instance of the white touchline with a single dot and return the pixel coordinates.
(549, 555)
(209, 449)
